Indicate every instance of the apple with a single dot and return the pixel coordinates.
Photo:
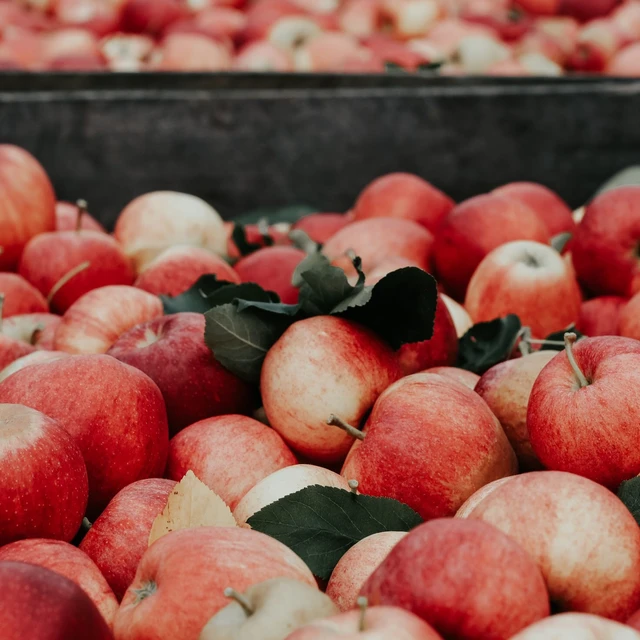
(587, 9)
(377, 239)
(207, 446)
(467, 378)
(43, 477)
(528, 279)
(150, 16)
(417, 446)
(95, 16)
(460, 316)
(374, 623)
(506, 388)
(445, 36)
(199, 563)
(192, 52)
(114, 412)
(259, 234)
(98, 318)
(67, 44)
(575, 423)
(411, 18)
(321, 366)
(262, 55)
(269, 610)
(27, 202)
(35, 357)
(577, 626)
(540, 7)
(158, 220)
(39, 603)
(172, 352)
(127, 51)
(600, 316)
(19, 296)
(605, 245)
(626, 62)
(627, 18)
(556, 517)
(357, 564)
(628, 323)
(404, 54)
(321, 226)
(272, 268)
(64, 265)
(11, 348)
(598, 42)
(634, 621)
(553, 211)
(68, 561)
(120, 535)
(440, 350)
(403, 195)
(218, 23)
(283, 483)
(332, 52)
(360, 18)
(36, 329)
(69, 216)
(465, 578)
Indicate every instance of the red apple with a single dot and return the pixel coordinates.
(587, 9)
(70, 562)
(360, 18)
(553, 211)
(321, 226)
(96, 16)
(97, 319)
(626, 63)
(217, 23)
(473, 229)
(377, 623)
(69, 216)
(411, 18)
(127, 51)
(577, 626)
(53, 263)
(283, 483)
(600, 316)
(156, 221)
(628, 321)
(114, 412)
(262, 55)
(69, 43)
(574, 424)
(460, 316)
(605, 246)
(332, 52)
(207, 446)
(440, 350)
(27, 202)
(403, 195)
(39, 603)
(530, 280)
(19, 296)
(540, 7)
(357, 564)
(404, 54)
(634, 620)
(35, 357)
(43, 477)
(418, 448)
(192, 52)
(446, 35)
(150, 16)
(119, 537)
(598, 41)
(322, 366)
(262, 15)
(557, 518)
(467, 579)
(36, 329)
(258, 234)
(11, 349)
(199, 563)
(467, 378)
(172, 352)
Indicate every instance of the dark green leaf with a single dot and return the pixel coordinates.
(279, 308)
(393, 67)
(321, 523)
(488, 343)
(627, 177)
(239, 237)
(560, 241)
(196, 298)
(555, 341)
(401, 307)
(431, 66)
(288, 214)
(629, 493)
(248, 291)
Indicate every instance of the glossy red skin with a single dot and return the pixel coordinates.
(150, 16)
(590, 431)
(50, 256)
(36, 329)
(440, 350)
(465, 578)
(217, 23)
(509, 24)
(43, 476)
(390, 50)
(96, 16)
(254, 235)
(628, 319)
(119, 537)
(207, 446)
(548, 206)
(604, 245)
(39, 603)
(321, 226)
(210, 557)
(11, 350)
(587, 9)
(473, 229)
(193, 384)
(27, 202)
(77, 63)
(20, 296)
(68, 561)
(272, 268)
(600, 316)
(403, 195)
(626, 62)
(420, 448)
(67, 219)
(467, 378)
(634, 621)
(114, 412)
(262, 15)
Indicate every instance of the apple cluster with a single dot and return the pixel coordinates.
(458, 37)
(354, 489)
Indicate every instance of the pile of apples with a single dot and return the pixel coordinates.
(492, 37)
(133, 464)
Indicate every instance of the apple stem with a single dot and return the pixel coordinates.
(82, 209)
(241, 599)
(334, 421)
(525, 341)
(363, 603)
(35, 334)
(569, 340)
(72, 273)
(353, 485)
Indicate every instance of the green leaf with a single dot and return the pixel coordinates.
(197, 298)
(400, 308)
(627, 177)
(431, 66)
(488, 343)
(239, 237)
(322, 523)
(629, 493)
(289, 214)
(555, 341)
(394, 67)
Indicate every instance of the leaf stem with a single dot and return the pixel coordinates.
(82, 209)
(363, 603)
(353, 485)
(241, 599)
(569, 340)
(334, 421)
